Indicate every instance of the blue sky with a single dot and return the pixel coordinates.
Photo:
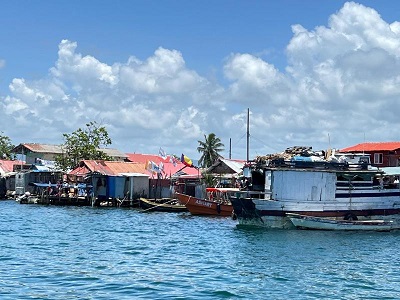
(204, 31)
(164, 73)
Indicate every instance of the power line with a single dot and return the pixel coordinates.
(257, 139)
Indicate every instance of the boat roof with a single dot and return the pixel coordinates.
(391, 170)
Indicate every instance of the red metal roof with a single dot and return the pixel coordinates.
(109, 167)
(143, 158)
(117, 167)
(7, 165)
(80, 170)
(169, 168)
(126, 167)
(370, 147)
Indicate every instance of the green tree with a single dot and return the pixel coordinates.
(83, 144)
(209, 150)
(209, 180)
(6, 147)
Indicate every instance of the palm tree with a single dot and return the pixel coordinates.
(210, 149)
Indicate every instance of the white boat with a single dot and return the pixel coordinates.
(324, 189)
(316, 223)
(27, 198)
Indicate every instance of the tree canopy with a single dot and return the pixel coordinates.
(6, 147)
(210, 148)
(83, 144)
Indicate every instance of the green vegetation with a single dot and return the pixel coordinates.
(210, 148)
(6, 147)
(209, 180)
(83, 144)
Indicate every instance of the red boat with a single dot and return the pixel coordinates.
(216, 204)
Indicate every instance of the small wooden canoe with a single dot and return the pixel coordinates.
(310, 222)
(165, 204)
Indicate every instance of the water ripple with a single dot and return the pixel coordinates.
(93, 253)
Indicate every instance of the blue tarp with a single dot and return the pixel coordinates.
(301, 158)
(43, 185)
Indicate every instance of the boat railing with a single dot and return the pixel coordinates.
(300, 164)
(254, 194)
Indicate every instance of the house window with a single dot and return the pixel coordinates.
(378, 158)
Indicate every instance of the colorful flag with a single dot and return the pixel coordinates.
(173, 160)
(186, 161)
(148, 166)
(152, 167)
(162, 153)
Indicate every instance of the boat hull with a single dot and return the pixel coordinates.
(168, 205)
(204, 207)
(326, 189)
(273, 214)
(316, 223)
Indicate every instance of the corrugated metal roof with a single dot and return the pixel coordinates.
(118, 167)
(143, 158)
(39, 148)
(169, 168)
(125, 167)
(57, 149)
(381, 146)
(81, 170)
(7, 166)
(226, 166)
(97, 166)
(108, 167)
(113, 152)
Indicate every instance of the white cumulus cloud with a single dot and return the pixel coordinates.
(341, 84)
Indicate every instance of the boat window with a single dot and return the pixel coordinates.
(364, 159)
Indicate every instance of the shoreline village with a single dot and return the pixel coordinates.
(299, 188)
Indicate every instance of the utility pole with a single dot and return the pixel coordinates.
(248, 132)
(230, 148)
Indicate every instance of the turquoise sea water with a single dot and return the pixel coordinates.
(52, 252)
